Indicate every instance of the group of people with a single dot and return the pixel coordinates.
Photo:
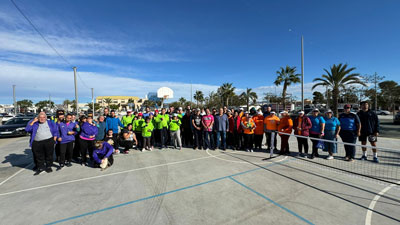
(85, 139)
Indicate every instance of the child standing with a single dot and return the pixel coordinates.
(174, 128)
(147, 130)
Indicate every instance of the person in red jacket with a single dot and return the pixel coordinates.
(302, 125)
(237, 131)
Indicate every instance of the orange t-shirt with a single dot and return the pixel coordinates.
(271, 122)
(300, 119)
(248, 124)
(285, 125)
(259, 121)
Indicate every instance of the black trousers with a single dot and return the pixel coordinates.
(126, 144)
(139, 139)
(86, 148)
(57, 150)
(314, 144)
(187, 137)
(164, 137)
(248, 141)
(237, 140)
(302, 142)
(43, 153)
(66, 151)
(258, 140)
(229, 139)
(198, 138)
(349, 136)
(157, 137)
(77, 149)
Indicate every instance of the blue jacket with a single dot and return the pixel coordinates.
(221, 123)
(105, 152)
(113, 123)
(101, 131)
(33, 129)
(63, 130)
(88, 130)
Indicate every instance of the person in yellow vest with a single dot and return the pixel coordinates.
(138, 124)
(147, 130)
(162, 120)
(174, 128)
(271, 124)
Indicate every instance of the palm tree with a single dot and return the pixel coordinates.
(226, 91)
(248, 95)
(182, 101)
(338, 78)
(66, 103)
(287, 76)
(199, 97)
(108, 101)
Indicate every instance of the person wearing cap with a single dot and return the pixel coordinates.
(369, 130)
(316, 131)
(208, 123)
(147, 130)
(128, 118)
(162, 120)
(229, 134)
(332, 129)
(113, 122)
(138, 125)
(259, 131)
(221, 127)
(197, 130)
(350, 130)
(59, 119)
(86, 139)
(44, 134)
(248, 127)
(103, 155)
(285, 129)
(302, 125)
(66, 139)
(187, 133)
(271, 124)
(174, 128)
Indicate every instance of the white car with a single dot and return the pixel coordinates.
(382, 112)
(6, 118)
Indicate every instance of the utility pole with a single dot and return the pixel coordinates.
(302, 73)
(14, 100)
(76, 93)
(191, 93)
(93, 103)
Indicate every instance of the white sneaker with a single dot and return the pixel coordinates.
(150, 149)
(143, 149)
(271, 155)
(247, 150)
(329, 157)
(251, 150)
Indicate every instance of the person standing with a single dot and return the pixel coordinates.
(316, 131)
(332, 129)
(66, 138)
(106, 113)
(138, 130)
(221, 127)
(162, 121)
(302, 126)
(44, 134)
(174, 128)
(350, 130)
(128, 118)
(102, 129)
(197, 130)
(369, 130)
(157, 130)
(285, 129)
(259, 131)
(187, 129)
(88, 135)
(237, 132)
(271, 123)
(147, 130)
(248, 127)
(112, 122)
(229, 134)
(59, 118)
(208, 123)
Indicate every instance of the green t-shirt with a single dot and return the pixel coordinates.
(139, 125)
(127, 120)
(160, 124)
(145, 129)
(174, 125)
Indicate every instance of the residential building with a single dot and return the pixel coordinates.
(124, 102)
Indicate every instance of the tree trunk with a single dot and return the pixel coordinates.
(248, 99)
(335, 96)
(284, 96)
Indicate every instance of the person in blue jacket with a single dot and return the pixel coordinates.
(43, 137)
(67, 130)
(101, 125)
(102, 155)
(86, 138)
(112, 123)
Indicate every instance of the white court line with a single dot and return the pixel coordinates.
(374, 201)
(99, 176)
(235, 161)
(15, 174)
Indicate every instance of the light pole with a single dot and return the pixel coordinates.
(14, 100)
(302, 73)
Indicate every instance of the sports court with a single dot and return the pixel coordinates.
(201, 187)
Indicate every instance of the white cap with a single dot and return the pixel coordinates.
(241, 109)
(180, 108)
(301, 112)
(175, 114)
(259, 113)
(284, 112)
(273, 112)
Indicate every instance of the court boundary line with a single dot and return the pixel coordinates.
(235, 161)
(164, 193)
(271, 201)
(15, 174)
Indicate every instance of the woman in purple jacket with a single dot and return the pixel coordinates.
(302, 125)
(86, 138)
(66, 138)
(102, 155)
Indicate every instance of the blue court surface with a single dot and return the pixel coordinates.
(194, 187)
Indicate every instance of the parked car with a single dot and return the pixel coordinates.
(5, 118)
(14, 127)
(396, 119)
(382, 112)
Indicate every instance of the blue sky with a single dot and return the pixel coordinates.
(132, 47)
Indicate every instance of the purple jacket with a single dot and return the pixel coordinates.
(305, 126)
(33, 129)
(105, 152)
(63, 130)
(88, 130)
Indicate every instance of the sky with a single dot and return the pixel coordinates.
(136, 47)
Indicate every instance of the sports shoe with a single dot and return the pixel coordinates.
(206, 149)
(351, 160)
(347, 159)
(150, 149)
(376, 160)
(49, 170)
(126, 152)
(329, 157)
(247, 150)
(39, 171)
(251, 150)
(142, 150)
(363, 157)
(180, 148)
(68, 164)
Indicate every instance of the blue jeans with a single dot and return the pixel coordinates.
(221, 137)
(208, 137)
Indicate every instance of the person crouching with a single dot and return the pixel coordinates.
(102, 155)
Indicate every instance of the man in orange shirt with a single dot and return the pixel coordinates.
(271, 123)
(259, 131)
(285, 129)
(248, 126)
